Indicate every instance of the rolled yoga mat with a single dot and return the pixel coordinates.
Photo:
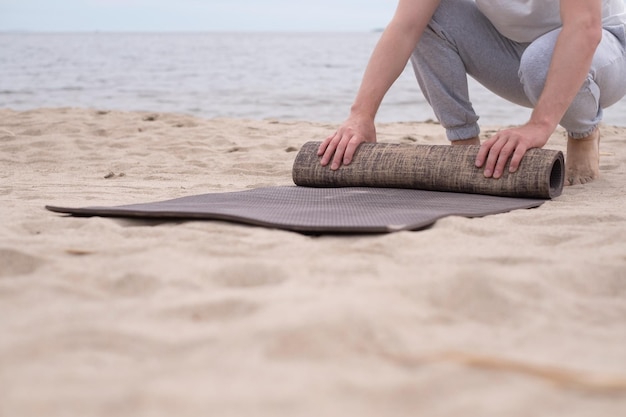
(432, 167)
(382, 202)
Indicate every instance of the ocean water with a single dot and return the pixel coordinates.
(297, 76)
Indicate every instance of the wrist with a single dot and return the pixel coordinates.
(362, 111)
(361, 117)
(543, 123)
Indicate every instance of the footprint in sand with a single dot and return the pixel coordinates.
(14, 263)
(220, 310)
(249, 275)
(32, 132)
(475, 298)
(131, 285)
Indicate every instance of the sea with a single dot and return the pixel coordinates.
(284, 76)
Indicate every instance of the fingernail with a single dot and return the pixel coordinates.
(334, 166)
(487, 173)
(497, 174)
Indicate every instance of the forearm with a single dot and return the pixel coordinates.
(569, 67)
(387, 62)
(392, 53)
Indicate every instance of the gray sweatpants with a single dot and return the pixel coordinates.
(460, 40)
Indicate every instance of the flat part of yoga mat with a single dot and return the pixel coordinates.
(318, 210)
(432, 167)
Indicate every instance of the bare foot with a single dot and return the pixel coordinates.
(582, 163)
(470, 141)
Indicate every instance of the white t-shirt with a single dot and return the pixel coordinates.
(526, 20)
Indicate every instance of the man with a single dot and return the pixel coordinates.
(564, 58)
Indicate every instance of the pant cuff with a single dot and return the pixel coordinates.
(580, 135)
(463, 133)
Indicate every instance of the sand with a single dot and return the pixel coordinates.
(517, 314)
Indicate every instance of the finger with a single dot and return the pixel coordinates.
(503, 158)
(516, 159)
(484, 151)
(492, 158)
(350, 150)
(330, 149)
(324, 145)
(339, 152)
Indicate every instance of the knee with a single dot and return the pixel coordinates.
(447, 25)
(533, 71)
(451, 14)
(534, 65)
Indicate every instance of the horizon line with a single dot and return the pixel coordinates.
(181, 31)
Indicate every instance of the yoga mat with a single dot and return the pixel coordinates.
(432, 167)
(318, 210)
(387, 188)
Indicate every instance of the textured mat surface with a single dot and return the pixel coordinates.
(432, 167)
(319, 210)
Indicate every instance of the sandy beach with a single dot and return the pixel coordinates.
(516, 314)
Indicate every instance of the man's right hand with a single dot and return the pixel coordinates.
(340, 146)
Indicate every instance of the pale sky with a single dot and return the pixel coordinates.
(195, 15)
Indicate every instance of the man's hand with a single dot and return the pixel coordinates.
(510, 143)
(340, 146)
